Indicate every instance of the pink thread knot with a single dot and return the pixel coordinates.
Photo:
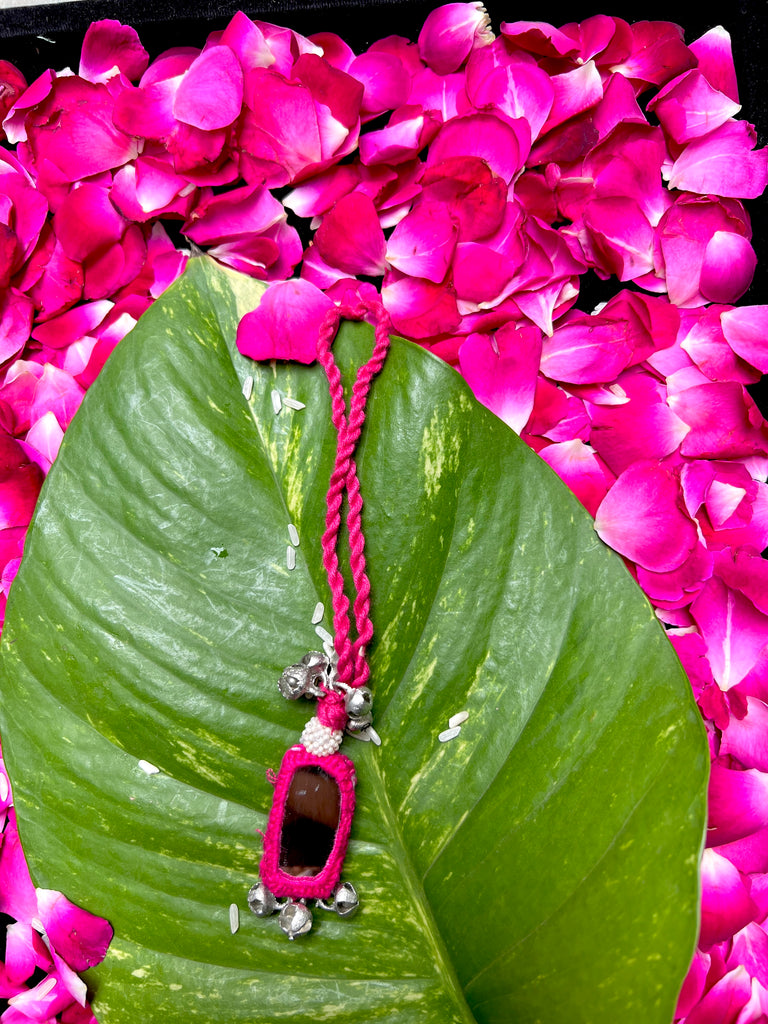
(332, 712)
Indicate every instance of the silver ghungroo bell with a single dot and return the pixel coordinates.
(344, 902)
(261, 901)
(358, 702)
(305, 678)
(295, 919)
(356, 725)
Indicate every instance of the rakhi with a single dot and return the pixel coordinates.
(314, 799)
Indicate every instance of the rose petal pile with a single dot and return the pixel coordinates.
(476, 178)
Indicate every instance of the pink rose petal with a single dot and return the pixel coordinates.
(451, 32)
(746, 739)
(511, 83)
(738, 804)
(749, 854)
(728, 267)
(683, 234)
(746, 572)
(750, 948)
(475, 198)
(676, 588)
(338, 53)
(12, 85)
(746, 331)
(704, 340)
(75, 131)
(580, 468)
(384, 79)
(17, 894)
(724, 1000)
(18, 496)
(724, 421)
(620, 237)
(410, 128)
(87, 222)
(286, 323)
(658, 53)
(726, 906)
(556, 415)
(587, 349)
(642, 518)
(734, 630)
(693, 986)
(79, 937)
(539, 37)
(350, 236)
(108, 48)
(210, 94)
(423, 243)
(41, 1003)
(689, 107)
(723, 162)
(43, 441)
(575, 91)
(502, 371)
(419, 308)
(502, 144)
(24, 951)
(715, 60)
(16, 312)
(645, 428)
(444, 96)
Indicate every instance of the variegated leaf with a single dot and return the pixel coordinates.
(541, 866)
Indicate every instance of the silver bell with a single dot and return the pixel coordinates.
(302, 680)
(356, 725)
(295, 919)
(317, 667)
(345, 900)
(261, 901)
(358, 702)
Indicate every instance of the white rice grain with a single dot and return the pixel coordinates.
(449, 734)
(458, 719)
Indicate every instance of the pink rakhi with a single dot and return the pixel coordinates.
(314, 798)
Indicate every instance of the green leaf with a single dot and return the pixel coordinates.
(542, 866)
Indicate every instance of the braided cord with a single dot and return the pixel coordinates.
(352, 666)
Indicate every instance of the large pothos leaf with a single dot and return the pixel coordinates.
(540, 867)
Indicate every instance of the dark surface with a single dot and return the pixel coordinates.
(165, 23)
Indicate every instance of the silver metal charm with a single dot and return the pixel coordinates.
(305, 678)
(295, 916)
(295, 919)
(356, 725)
(261, 900)
(345, 900)
(358, 702)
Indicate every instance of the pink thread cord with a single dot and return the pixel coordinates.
(352, 668)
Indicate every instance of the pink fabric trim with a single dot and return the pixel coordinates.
(321, 886)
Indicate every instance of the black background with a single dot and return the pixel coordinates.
(165, 23)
